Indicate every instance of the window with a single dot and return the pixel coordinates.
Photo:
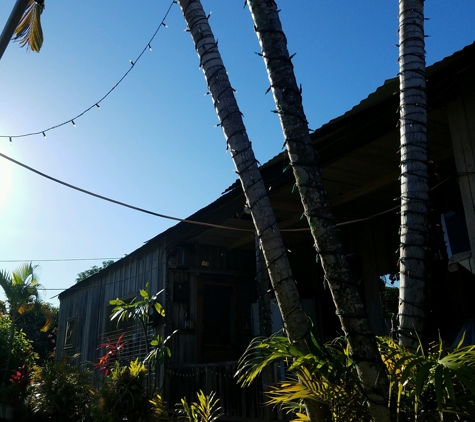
(70, 334)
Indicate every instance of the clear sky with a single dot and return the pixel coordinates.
(153, 143)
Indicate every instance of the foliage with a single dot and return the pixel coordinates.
(206, 409)
(144, 311)
(433, 383)
(22, 352)
(40, 326)
(21, 289)
(123, 395)
(29, 31)
(61, 391)
(108, 361)
(390, 301)
(93, 270)
(327, 375)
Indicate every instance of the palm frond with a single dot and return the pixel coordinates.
(29, 31)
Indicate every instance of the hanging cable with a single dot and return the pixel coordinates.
(96, 104)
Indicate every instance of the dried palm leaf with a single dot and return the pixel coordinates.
(28, 31)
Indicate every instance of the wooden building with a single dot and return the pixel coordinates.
(208, 272)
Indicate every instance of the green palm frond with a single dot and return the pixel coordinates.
(327, 375)
(435, 380)
(261, 352)
(29, 31)
(20, 288)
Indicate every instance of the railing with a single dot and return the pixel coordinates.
(237, 403)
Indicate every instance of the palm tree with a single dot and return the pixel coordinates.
(414, 233)
(21, 291)
(295, 321)
(304, 162)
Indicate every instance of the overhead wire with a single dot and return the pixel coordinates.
(183, 220)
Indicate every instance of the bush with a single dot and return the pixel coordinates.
(61, 391)
(124, 395)
(22, 350)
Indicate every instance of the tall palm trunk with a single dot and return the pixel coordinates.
(414, 233)
(304, 161)
(295, 321)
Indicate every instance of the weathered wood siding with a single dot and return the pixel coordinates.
(86, 304)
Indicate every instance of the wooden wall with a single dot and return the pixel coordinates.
(85, 304)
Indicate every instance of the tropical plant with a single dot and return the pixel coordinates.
(112, 356)
(21, 291)
(326, 376)
(206, 409)
(40, 325)
(304, 162)
(146, 311)
(61, 391)
(21, 351)
(295, 321)
(433, 383)
(123, 395)
(415, 227)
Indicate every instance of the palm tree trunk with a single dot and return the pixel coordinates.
(414, 233)
(12, 23)
(296, 323)
(304, 162)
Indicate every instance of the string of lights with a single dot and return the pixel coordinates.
(97, 103)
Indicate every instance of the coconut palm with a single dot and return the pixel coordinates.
(414, 232)
(21, 291)
(295, 321)
(304, 162)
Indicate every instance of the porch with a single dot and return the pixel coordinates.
(238, 404)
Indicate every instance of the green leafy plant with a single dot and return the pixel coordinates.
(145, 310)
(206, 409)
(326, 376)
(20, 351)
(123, 395)
(61, 391)
(432, 384)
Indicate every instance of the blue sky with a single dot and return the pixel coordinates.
(153, 143)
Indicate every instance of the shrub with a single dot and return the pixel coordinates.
(61, 391)
(124, 395)
(22, 350)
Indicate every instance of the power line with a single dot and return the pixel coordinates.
(123, 204)
(96, 104)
